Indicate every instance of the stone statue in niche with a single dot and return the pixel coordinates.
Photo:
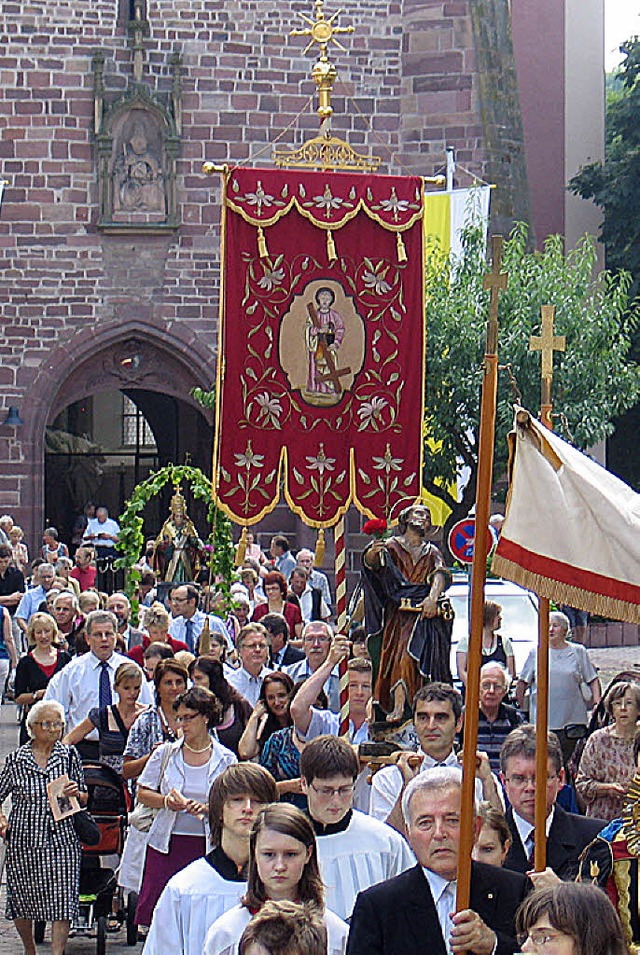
(138, 176)
(139, 180)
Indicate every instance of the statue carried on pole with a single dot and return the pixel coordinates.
(408, 621)
(178, 549)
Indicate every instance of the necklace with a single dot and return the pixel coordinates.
(203, 750)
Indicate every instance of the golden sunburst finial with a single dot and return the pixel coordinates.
(322, 31)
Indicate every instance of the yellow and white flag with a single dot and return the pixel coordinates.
(446, 214)
(572, 529)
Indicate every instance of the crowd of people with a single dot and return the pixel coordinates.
(256, 827)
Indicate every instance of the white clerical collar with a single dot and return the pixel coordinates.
(525, 829)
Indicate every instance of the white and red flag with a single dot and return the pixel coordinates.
(572, 529)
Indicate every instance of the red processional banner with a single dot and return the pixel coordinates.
(321, 346)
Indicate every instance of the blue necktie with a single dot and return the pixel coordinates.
(104, 691)
(188, 634)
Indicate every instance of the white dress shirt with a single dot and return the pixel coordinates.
(306, 605)
(320, 580)
(326, 723)
(248, 685)
(77, 688)
(444, 897)
(386, 784)
(526, 829)
(105, 527)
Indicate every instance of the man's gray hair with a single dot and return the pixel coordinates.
(74, 600)
(440, 779)
(118, 593)
(101, 616)
(314, 625)
(495, 665)
(35, 713)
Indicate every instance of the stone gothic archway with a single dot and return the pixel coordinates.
(152, 365)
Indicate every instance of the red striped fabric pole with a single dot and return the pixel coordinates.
(341, 609)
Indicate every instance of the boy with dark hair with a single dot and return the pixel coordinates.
(354, 850)
(197, 895)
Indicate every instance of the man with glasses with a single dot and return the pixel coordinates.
(188, 621)
(253, 650)
(316, 641)
(567, 833)
(496, 718)
(354, 850)
(31, 600)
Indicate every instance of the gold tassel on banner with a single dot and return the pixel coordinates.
(332, 255)
(241, 549)
(204, 643)
(320, 549)
(263, 252)
(402, 252)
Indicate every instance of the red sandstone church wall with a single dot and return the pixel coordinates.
(66, 289)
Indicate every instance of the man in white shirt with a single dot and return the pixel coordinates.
(437, 717)
(415, 911)
(316, 640)
(102, 533)
(312, 604)
(188, 621)
(31, 600)
(88, 681)
(306, 558)
(253, 649)
(354, 850)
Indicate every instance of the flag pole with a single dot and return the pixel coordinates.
(495, 282)
(546, 342)
(341, 626)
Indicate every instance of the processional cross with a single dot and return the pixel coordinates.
(547, 343)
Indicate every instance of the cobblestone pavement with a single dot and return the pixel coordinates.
(608, 661)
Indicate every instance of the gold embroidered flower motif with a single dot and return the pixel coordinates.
(328, 201)
(394, 205)
(271, 278)
(375, 282)
(259, 198)
(249, 459)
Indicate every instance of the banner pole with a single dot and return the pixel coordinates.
(341, 627)
(495, 281)
(546, 343)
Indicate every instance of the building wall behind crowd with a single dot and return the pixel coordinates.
(84, 310)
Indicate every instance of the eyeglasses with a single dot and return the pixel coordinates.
(489, 685)
(49, 724)
(187, 719)
(328, 792)
(317, 640)
(540, 938)
(520, 781)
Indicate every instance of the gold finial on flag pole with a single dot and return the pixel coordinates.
(547, 343)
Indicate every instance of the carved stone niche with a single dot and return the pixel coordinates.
(137, 139)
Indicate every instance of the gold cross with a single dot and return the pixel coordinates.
(547, 342)
(496, 282)
(321, 31)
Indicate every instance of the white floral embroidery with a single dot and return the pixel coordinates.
(321, 462)
(271, 278)
(270, 408)
(370, 412)
(387, 463)
(259, 198)
(376, 282)
(249, 459)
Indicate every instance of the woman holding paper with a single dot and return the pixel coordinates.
(43, 856)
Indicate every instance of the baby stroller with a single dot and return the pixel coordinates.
(109, 803)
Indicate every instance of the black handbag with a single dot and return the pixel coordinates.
(86, 828)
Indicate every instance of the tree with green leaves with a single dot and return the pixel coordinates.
(615, 184)
(594, 379)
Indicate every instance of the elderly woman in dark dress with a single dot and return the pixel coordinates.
(43, 856)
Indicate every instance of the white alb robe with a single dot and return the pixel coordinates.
(190, 903)
(366, 852)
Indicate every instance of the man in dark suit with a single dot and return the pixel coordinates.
(414, 911)
(567, 833)
(281, 652)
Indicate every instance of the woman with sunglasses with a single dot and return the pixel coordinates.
(176, 781)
